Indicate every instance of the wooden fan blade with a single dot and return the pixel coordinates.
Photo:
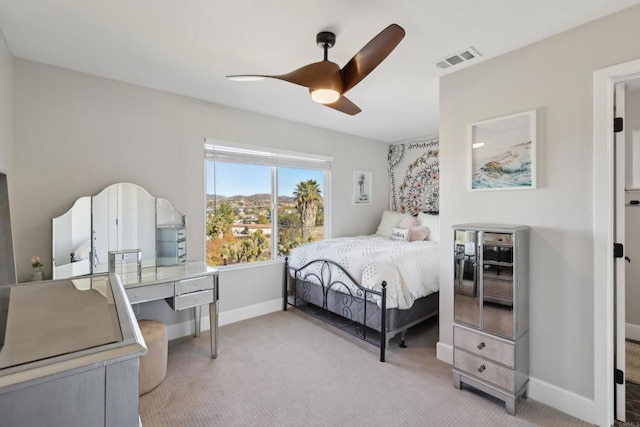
(246, 77)
(324, 74)
(370, 56)
(345, 106)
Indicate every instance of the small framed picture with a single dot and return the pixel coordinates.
(503, 153)
(361, 188)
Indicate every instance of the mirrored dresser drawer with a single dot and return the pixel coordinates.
(484, 345)
(190, 300)
(486, 370)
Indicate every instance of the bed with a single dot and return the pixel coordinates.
(373, 287)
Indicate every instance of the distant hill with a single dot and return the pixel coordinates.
(252, 198)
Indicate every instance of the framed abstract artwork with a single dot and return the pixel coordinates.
(361, 188)
(503, 153)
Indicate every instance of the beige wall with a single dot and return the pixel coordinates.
(6, 108)
(554, 77)
(76, 134)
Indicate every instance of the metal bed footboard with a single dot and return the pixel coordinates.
(324, 289)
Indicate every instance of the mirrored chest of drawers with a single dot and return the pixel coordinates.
(171, 245)
(491, 310)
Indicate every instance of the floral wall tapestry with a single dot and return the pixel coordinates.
(414, 175)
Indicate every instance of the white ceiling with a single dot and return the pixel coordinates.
(187, 47)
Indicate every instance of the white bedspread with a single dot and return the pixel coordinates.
(411, 269)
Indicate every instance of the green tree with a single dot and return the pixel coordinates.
(220, 222)
(307, 197)
(251, 248)
(289, 220)
(289, 225)
(320, 216)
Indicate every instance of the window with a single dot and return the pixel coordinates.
(261, 205)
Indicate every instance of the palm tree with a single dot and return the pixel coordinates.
(307, 197)
(361, 183)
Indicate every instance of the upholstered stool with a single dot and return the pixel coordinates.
(153, 365)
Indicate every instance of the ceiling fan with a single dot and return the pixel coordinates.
(328, 83)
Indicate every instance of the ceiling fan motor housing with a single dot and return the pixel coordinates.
(326, 39)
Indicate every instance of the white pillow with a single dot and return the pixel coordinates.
(432, 222)
(389, 220)
(83, 251)
(418, 233)
(400, 234)
(407, 221)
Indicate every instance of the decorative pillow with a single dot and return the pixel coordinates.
(83, 251)
(432, 222)
(418, 233)
(389, 220)
(400, 234)
(407, 222)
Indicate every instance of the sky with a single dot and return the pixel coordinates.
(246, 179)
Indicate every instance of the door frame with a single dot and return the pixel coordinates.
(603, 237)
(619, 264)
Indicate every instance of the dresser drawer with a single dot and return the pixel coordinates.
(193, 299)
(171, 234)
(172, 248)
(485, 370)
(150, 293)
(193, 285)
(485, 346)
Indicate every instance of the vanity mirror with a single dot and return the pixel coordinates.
(122, 217)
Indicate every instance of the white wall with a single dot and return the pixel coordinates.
(6, 109)
(76, 134)
(555, 77)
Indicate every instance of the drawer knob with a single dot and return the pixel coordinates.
(482, 368)
(481, 346)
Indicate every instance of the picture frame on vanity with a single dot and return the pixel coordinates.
(503, 153)
(362, 186)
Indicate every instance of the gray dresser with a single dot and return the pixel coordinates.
(491, 310)
(70, 354)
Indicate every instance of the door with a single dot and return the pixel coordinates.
(619, 237)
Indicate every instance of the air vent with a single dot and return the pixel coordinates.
(457, 58)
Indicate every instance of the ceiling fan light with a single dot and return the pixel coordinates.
(325, 96)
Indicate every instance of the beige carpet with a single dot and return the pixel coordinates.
(632, 362)
(285, 369)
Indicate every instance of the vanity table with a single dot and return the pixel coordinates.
(183, 286)
(124, 220)
(69, 354)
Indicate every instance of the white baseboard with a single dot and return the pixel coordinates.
(551, 395)
(563, 400)
(444, 352)
(632, 331)
(183, 329)
(243, 313)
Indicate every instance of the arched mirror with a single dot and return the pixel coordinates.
(72, 240)
(122, 217)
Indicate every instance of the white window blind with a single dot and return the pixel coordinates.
(244, 154)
